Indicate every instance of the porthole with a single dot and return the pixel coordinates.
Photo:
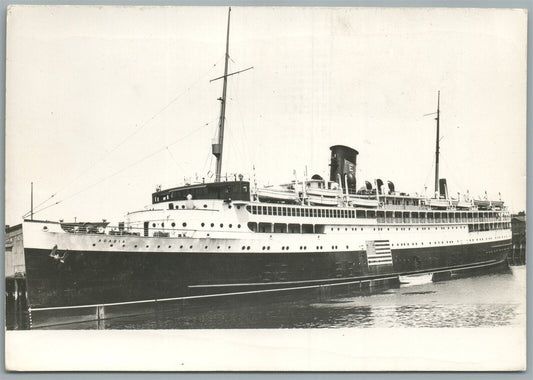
(94, 245)
(248, 248)
(238, 207)
(169, 246)
(218, 246)
(231, 225)
(203, 224)
(182, 206)
(229, 206)
(123, 245)
(243, 247)
(162, 224)
(221, 225)
(111, 245)
(206, 247)
(153, 224)
(268, 248)
(158, 246)
(190, 246)
(135, 246)
(184, 224)
(205, 206)
(147, 246)
(238, 226)
(173, 224)
(181, 246)
(212, 224)
(263, 248)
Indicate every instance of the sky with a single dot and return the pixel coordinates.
(103, 104)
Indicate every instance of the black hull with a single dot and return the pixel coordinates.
(91, 278)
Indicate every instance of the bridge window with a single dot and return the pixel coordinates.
(252, 226)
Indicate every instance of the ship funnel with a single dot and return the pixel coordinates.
(443, 188)
(343, 163)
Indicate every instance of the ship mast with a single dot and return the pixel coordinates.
(218, 147)
(437, 148)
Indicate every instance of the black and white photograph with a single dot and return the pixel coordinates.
(265, 188)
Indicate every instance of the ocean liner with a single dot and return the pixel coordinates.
(234, 237)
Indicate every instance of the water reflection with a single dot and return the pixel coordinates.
(490, 300)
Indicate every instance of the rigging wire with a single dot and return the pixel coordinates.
(137, 130)
(127, 167)
(175, 161)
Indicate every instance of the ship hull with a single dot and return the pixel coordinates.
(101, 277)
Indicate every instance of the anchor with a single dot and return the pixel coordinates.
(54, 254)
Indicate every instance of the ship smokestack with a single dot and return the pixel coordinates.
(343, 163)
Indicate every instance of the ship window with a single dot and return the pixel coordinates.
(252, 226)
(307, 228)
(269, 210)
(361, 213)
(171, 206)
(306, 212)
(314, 213)
(280, 227)
(274, 211)
(254, 210)
(294, 228)
(371, 214)
(265, 227)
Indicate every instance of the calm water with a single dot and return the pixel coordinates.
(496, 299)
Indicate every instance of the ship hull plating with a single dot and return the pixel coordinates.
(98, 277)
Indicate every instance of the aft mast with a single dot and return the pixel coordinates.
(437, 148)
(217, 148)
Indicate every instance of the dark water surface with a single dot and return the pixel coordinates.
(488, 300)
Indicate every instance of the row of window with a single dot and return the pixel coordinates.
(398, 215)
(184, 224)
